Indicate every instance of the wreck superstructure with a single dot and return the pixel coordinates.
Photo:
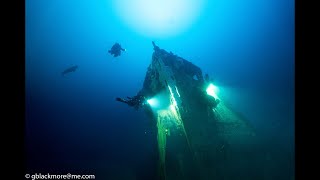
(199, 136)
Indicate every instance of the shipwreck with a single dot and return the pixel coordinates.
(198, 135)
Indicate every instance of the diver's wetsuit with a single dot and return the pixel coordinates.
(116, 50)
(136, 101)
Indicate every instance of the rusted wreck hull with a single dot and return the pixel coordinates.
(199, 136)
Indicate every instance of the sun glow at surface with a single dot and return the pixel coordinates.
(159, 18)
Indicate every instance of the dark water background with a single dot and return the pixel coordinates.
(73, 123)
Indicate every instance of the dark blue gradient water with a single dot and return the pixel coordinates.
(73, 123)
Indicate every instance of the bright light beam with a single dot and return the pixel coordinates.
(153, 102)
(212, 90)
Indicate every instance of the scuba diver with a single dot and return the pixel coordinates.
(206, 77)
(137, 101)
(69, 70)
(116, 50)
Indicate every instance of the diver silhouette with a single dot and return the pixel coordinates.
(116, 50)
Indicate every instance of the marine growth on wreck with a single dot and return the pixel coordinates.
(197, 133)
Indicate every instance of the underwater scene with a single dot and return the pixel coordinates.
(160, 89)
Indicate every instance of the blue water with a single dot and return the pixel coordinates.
(74, 124)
